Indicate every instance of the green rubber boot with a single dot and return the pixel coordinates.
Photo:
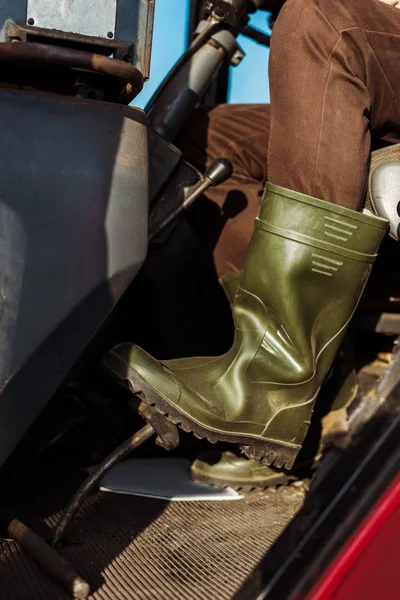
(230, 284)
(226, 469)
(307, 265)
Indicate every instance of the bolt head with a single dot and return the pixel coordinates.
(31, 21)
(110, 34)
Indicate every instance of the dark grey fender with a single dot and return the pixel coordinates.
(73, 234)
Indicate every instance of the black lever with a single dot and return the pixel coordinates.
(218, 171)
(257, 35)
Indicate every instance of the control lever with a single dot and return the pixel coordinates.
(219, 171)
(258, 36)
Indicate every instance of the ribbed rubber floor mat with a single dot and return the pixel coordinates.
(131, 548)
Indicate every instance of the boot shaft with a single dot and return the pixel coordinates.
(300, 285)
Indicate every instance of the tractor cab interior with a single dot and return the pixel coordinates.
(265, 541)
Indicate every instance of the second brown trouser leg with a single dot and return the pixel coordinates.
(223, 219)
(184, 283)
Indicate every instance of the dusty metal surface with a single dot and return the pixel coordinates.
(143, 20)
(380, 322)
(133, 548)
(134, 25)
(87, 18)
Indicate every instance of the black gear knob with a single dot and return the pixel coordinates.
(219, 171)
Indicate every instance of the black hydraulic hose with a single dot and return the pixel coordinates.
(83, 492)
(196, 44)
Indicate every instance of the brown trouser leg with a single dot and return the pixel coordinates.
(223, 218)
(334, 79)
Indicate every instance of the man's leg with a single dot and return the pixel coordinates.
(223, 218)
(334, 76)
(308, 259)
(184, 284)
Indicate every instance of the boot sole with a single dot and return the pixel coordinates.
(266, 451)
(247, 486)
(301, 472)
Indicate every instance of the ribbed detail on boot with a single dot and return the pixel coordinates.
(329, 226)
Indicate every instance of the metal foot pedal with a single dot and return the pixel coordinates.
(157, 424)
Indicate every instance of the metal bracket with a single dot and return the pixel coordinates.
(238, 56)
(167, 432)
(23, 33)
(88, 17)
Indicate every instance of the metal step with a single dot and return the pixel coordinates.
(134, 548)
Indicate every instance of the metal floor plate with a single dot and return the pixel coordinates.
(134, 548)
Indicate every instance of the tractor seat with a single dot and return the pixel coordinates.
(384, 187)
